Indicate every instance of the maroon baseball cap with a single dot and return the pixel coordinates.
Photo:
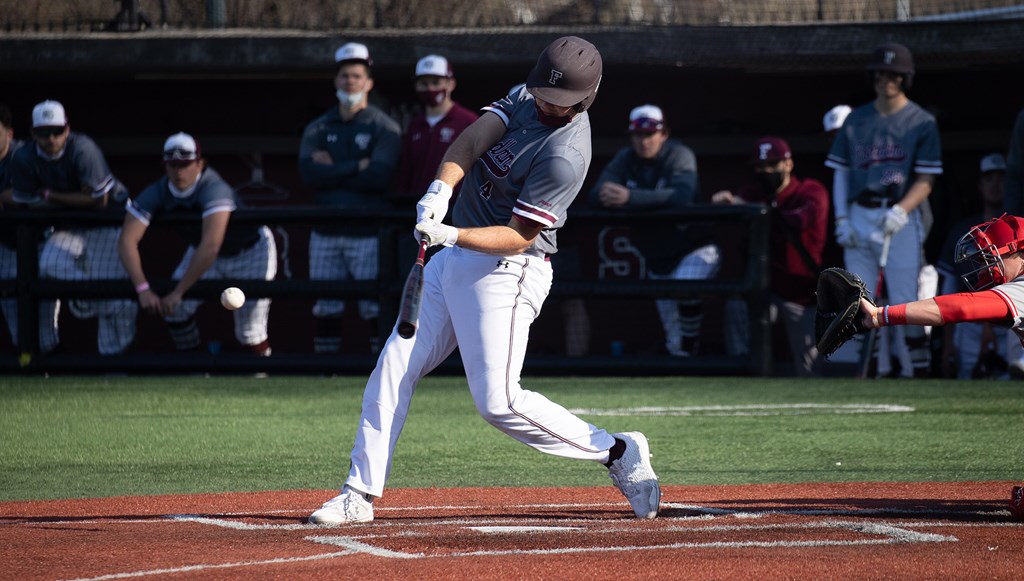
(771, 149)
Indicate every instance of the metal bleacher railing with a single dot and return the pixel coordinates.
(748, 222)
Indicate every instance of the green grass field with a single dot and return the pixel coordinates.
(71, 437)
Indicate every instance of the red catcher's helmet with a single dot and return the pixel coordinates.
(567, 73)
(984, 247)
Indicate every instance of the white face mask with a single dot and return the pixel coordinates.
(349, 100)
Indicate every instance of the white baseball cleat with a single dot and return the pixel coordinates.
(634, 476)
(346, 508)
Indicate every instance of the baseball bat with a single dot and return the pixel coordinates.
(870, 343)
(412, 296)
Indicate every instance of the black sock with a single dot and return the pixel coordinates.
(615, 452)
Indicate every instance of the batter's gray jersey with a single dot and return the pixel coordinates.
(534, 172)
(881, 153)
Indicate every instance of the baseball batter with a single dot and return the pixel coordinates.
(217, 248)
(66, 169)
(521, 165)
(886, 157)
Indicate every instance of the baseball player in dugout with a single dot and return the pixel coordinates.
(1013, 199)
(521, 164)
(659, 173)
(66, 169)
(886, 157)
(799, 224)
(433, 130)
(217, 247)
(48, 340)
(349, 155)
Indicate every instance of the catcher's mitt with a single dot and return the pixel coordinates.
(838, 317)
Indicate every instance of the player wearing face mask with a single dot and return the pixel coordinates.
(799, 212)
(348, 156)
(432, 130)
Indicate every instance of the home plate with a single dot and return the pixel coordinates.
(499, 530)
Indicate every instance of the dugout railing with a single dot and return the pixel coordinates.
(741, 223)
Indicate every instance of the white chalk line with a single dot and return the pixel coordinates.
(208, 566)
(791, 409)
(891, 533)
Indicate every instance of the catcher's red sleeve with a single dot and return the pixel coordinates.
(980, 306)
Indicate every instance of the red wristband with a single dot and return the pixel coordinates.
(896, 314)
(141, 288)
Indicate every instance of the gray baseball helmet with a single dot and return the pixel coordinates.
(567, 73)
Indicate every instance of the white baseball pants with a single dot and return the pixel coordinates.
(483, 304)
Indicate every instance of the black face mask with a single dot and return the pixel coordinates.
(769, 181)
(551, 120)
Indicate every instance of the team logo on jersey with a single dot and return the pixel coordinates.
(447, 133)
(332, 138)
(878, 153)
(499, 159)
(555, 75)
(363, 141)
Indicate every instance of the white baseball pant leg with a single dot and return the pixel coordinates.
(116, 317)
(901, 271)
(700, 264)
(343, 257)
(485, 304)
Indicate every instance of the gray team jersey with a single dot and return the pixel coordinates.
(882, 153)
(80, 166)
(210, 196)
(534, 171)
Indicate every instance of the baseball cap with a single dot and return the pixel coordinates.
(646, 119)
(835, 117)
(892, 57)
(181, 147)
(353, 51)
(49, 114)
(433, 65)
(993, 162)
(771, 149)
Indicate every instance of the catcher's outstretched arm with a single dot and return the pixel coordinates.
(986, 305)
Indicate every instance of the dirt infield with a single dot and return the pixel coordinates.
(848, 531)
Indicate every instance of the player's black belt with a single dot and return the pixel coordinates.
(874, 202)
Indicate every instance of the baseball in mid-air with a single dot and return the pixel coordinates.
(232, 298)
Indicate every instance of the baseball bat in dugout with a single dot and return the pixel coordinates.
(412, 296)
(869, 345)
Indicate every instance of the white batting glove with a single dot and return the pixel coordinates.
(844, 233)
(434, 204)
(895, 219)
(437, 233)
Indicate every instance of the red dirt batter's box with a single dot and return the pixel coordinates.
(929, 529)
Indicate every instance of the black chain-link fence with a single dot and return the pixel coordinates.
(132, 15)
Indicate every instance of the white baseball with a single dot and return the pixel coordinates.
(232, 298)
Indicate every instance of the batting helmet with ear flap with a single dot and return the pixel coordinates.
(567, 74)
(983, 249)
(893, 57)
